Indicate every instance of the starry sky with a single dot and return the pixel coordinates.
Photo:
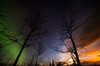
(53, 11)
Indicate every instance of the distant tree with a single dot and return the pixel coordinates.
(40, 50)
(49, 64)
(60, 63)
(52, 63)
(32, 60)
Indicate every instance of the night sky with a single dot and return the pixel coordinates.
(15, 11)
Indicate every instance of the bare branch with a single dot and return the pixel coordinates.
(57, 49)
(12, 38)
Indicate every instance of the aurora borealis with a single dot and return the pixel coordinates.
(12, 49)
(13, 17)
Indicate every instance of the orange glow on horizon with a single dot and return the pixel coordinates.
(97, 58)
(92, 55)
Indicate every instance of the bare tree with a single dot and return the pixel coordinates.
(70, 25)
(32, 31)
(52, 63)
(35, 30)
(40, 50)
(69, 28)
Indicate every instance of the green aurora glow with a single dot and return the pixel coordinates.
(11, 51)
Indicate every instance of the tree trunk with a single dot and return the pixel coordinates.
(77, 57)
(18, 56)
(36, 61)
(29, 35)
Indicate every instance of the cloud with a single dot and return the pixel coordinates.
(90, 30)
(92, 54)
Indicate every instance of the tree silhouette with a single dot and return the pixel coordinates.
(40, 50)
(35, 27)
(68, 29)
(30, 35)
(52, 63)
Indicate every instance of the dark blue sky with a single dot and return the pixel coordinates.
(53, 12)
